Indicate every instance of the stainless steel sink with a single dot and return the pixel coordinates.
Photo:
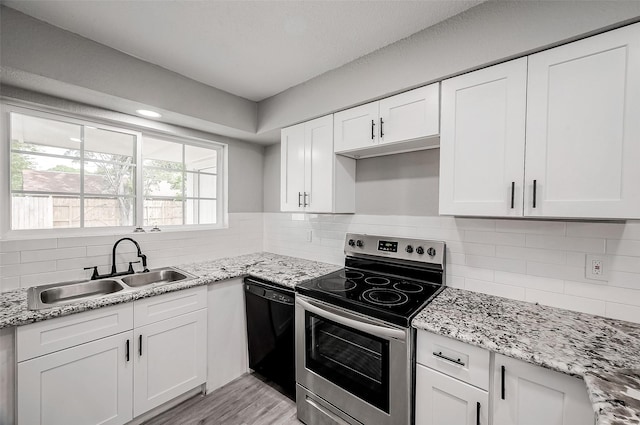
(46, 296)
(155, 277)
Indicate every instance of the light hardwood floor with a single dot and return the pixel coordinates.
(248, 400)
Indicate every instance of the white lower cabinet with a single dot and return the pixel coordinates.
(98, 368)
(170, 359)
(87, 384)
(525, 394)
(442, 400)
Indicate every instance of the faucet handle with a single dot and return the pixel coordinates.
(94, 275)
(131, 263)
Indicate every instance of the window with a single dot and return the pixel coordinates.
(180, 183)
(68, 173)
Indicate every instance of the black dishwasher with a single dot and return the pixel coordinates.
(270, 326)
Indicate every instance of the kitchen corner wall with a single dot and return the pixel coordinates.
(531, 260)
(30, 262)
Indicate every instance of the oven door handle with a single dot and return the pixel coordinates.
(375, 330)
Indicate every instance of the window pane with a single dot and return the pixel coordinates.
(108, 145)
(158, 153)
(44, 174)
(200, 185)
(45, 135)
(109, 178)
(162, 182)
(200, 159)
(100, 212)
(162, 212)
(207, 212)
(200, 211)
(44, 212)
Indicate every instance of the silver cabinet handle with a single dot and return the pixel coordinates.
(305, 204)
(375, 330)
(299, 201)
(452, 360)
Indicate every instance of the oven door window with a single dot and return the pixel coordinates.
(353, 360)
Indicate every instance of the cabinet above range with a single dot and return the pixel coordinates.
(405, 122)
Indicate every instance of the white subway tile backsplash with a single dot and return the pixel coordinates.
(497, 289)
(603, 292)
(628, 230)
(471, 248)
(495, 263)
(7, 258)
(470, 272)
(9, 283)
(495, 238)
(27, 244)
(626, 312)
(553, 228)
(556, 271)
(575, 303)
(533, 282)
(593, 245)
(532, 254)
(27, 268)
(52, 254)
(623, 247)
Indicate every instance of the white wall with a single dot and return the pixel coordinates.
(535, 261)
(485, 34)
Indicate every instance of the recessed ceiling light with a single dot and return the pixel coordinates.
(75, 139)
(147, 113)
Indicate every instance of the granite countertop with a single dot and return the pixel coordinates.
(604, 352)
(279, 269)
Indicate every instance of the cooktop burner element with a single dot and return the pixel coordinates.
(337, 285)
(386, 278)
(408, 287)
(377, 280)
(386, 297)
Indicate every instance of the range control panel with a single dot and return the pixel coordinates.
(422, 250)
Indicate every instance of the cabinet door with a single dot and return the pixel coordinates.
(534, 395)
(482, 141)
(227, 334)
(356, 127)
(442, 400)
(170, 359)
(410, 115)
(87, 384)
(319, 165)
(583, 131)
(292, 168)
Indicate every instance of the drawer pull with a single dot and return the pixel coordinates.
(127, 351)
(478, 413)
(502, 373)
(442, 356)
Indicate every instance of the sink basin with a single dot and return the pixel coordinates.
(45, 296)
(155, 277)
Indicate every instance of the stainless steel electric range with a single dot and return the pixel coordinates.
(355, 346)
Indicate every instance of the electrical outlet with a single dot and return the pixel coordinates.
(596, 267)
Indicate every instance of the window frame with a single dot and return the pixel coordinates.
(39, 111)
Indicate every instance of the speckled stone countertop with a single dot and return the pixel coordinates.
(604, 352)
(279, 269)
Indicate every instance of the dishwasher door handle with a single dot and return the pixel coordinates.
(375, 330)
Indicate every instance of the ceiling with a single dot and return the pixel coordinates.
(253, 49)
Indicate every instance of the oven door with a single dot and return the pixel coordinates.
(349, 364)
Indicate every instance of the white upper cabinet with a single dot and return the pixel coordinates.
(582, 133)
(313, 178)
(356, 128)
(401, 123)
(583, 128)
(482, 141)
(409, 115)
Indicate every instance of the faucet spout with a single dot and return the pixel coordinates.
(140, 255)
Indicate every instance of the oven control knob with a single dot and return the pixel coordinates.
(431, 252)
(352, 242)
(359, 243)
(420, 250)
(409, 249)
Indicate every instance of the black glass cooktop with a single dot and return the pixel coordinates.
(383, 296)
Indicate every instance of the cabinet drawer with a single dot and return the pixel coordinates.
(161, 307)
(454, 358)
(57, 334)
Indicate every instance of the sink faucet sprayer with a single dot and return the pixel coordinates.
(114, 272)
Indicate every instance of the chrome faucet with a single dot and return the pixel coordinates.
(114, 272)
